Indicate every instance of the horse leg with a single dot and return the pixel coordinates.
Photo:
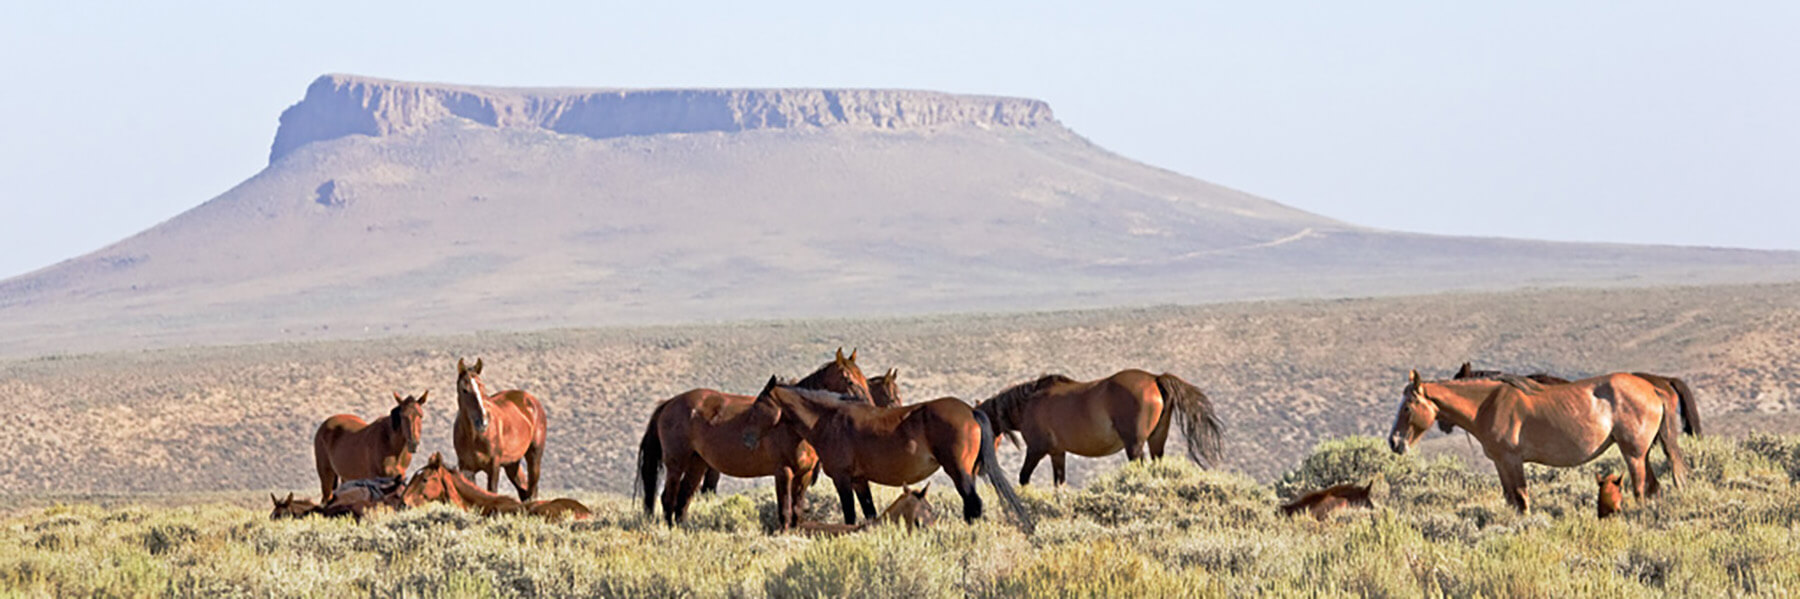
(784, 496)
(965, 486)
(1032, 456)
(512, 474)
(493, 475)
(1057, 467)
(1512, 482)
(711, 486)
(328, 478)
(534, 460)
(1640, 479)
(1159, 436)
(690, 484)
(866, 499)
(672, 489)
(846, 498)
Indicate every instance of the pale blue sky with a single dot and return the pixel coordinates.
(1653, 122)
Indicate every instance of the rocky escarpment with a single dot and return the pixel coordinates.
(340, 105)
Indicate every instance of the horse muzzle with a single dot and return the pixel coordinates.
(1398, 444)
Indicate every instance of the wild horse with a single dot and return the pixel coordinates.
(1126, 411)
(498, 431)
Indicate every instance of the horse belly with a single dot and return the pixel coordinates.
(897, 468)
(1087, 431)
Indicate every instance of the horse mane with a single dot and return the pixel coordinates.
(1017, 396)
(821, 397)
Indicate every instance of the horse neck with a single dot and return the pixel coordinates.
(471, 493)
(382, 429)
(1455, 403)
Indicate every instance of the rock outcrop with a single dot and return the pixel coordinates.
(340, 105)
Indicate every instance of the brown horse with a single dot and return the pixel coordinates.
(703, 431)
(1684, 401)
(860, 444)
(346, 448)
(884, 391)
(292, 508)
(498, 431)
(1607, 496)
(910, 509)
(1125, 411)
(1518, 420)
(438, 483)
(1323, 502)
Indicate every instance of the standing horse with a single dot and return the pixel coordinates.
(498, 431)
(860, 444)
(696, 435)
(1519, 420)
(1684, 401)
(346, 448)
(1059, 415)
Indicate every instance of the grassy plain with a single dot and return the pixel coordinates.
(1155, 529)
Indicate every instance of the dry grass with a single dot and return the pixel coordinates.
(1284, 375)
(1154, 529)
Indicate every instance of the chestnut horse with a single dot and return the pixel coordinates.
(1125, 411)
(498, 431)
(438, 483)
(910, 509)
(346, 448)
(1677, 389)
(1607, 498)
(1323, 502)
(1518, 420)
(703, 431)
(860, 443)
(292, 508)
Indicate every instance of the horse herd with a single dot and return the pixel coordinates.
(859, 432)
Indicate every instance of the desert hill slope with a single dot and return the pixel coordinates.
(1284, 375)
(409, 208)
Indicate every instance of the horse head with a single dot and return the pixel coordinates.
(290, 507)
(407, 416)
(911, 508)
(431, 483)
(884, 390)
(1417, 414)
(470, 393)
(840, 375)
(1609, 497)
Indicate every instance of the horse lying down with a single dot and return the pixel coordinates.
(437, 483)
(1609, 497)
(1323, 502)
(910, 509)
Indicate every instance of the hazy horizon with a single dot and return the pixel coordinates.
(1620, 123)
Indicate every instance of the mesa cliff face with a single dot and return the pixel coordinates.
(340, 105)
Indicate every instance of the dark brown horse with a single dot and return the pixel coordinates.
(884, 391)
(346, 448)
(1323, 502)
(498, 431)
(910, 509)
(860, 443)
(1126, 411)
(704, 431)
(1685, 403)
(1519, 420)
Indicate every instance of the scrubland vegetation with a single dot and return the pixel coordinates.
(1161, 528)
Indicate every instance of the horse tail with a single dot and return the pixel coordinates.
(650, 462)
(989, 464)
(1198, 421)
(1690, 409)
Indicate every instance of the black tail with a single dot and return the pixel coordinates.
(1198, 422)
(1690, 410)
(650, 464)
(989, 464)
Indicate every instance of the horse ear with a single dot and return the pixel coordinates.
(397, 398)
(273, 500)
(290, 498)
(921, 492)
(1463, 373)
(477, 368)
(852, 354)
(840, 354)
(893, 374)
(1415, 377)
(461, 367)
(423, 396)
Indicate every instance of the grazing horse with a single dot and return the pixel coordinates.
(346, 448)
(860, 443)
(292, 508)
(498, 431)
(1518, 420)
(1608, 497)
(910, 508)
(1125, 411)
(697, 434)
(1323, 502)
(1684, 401)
